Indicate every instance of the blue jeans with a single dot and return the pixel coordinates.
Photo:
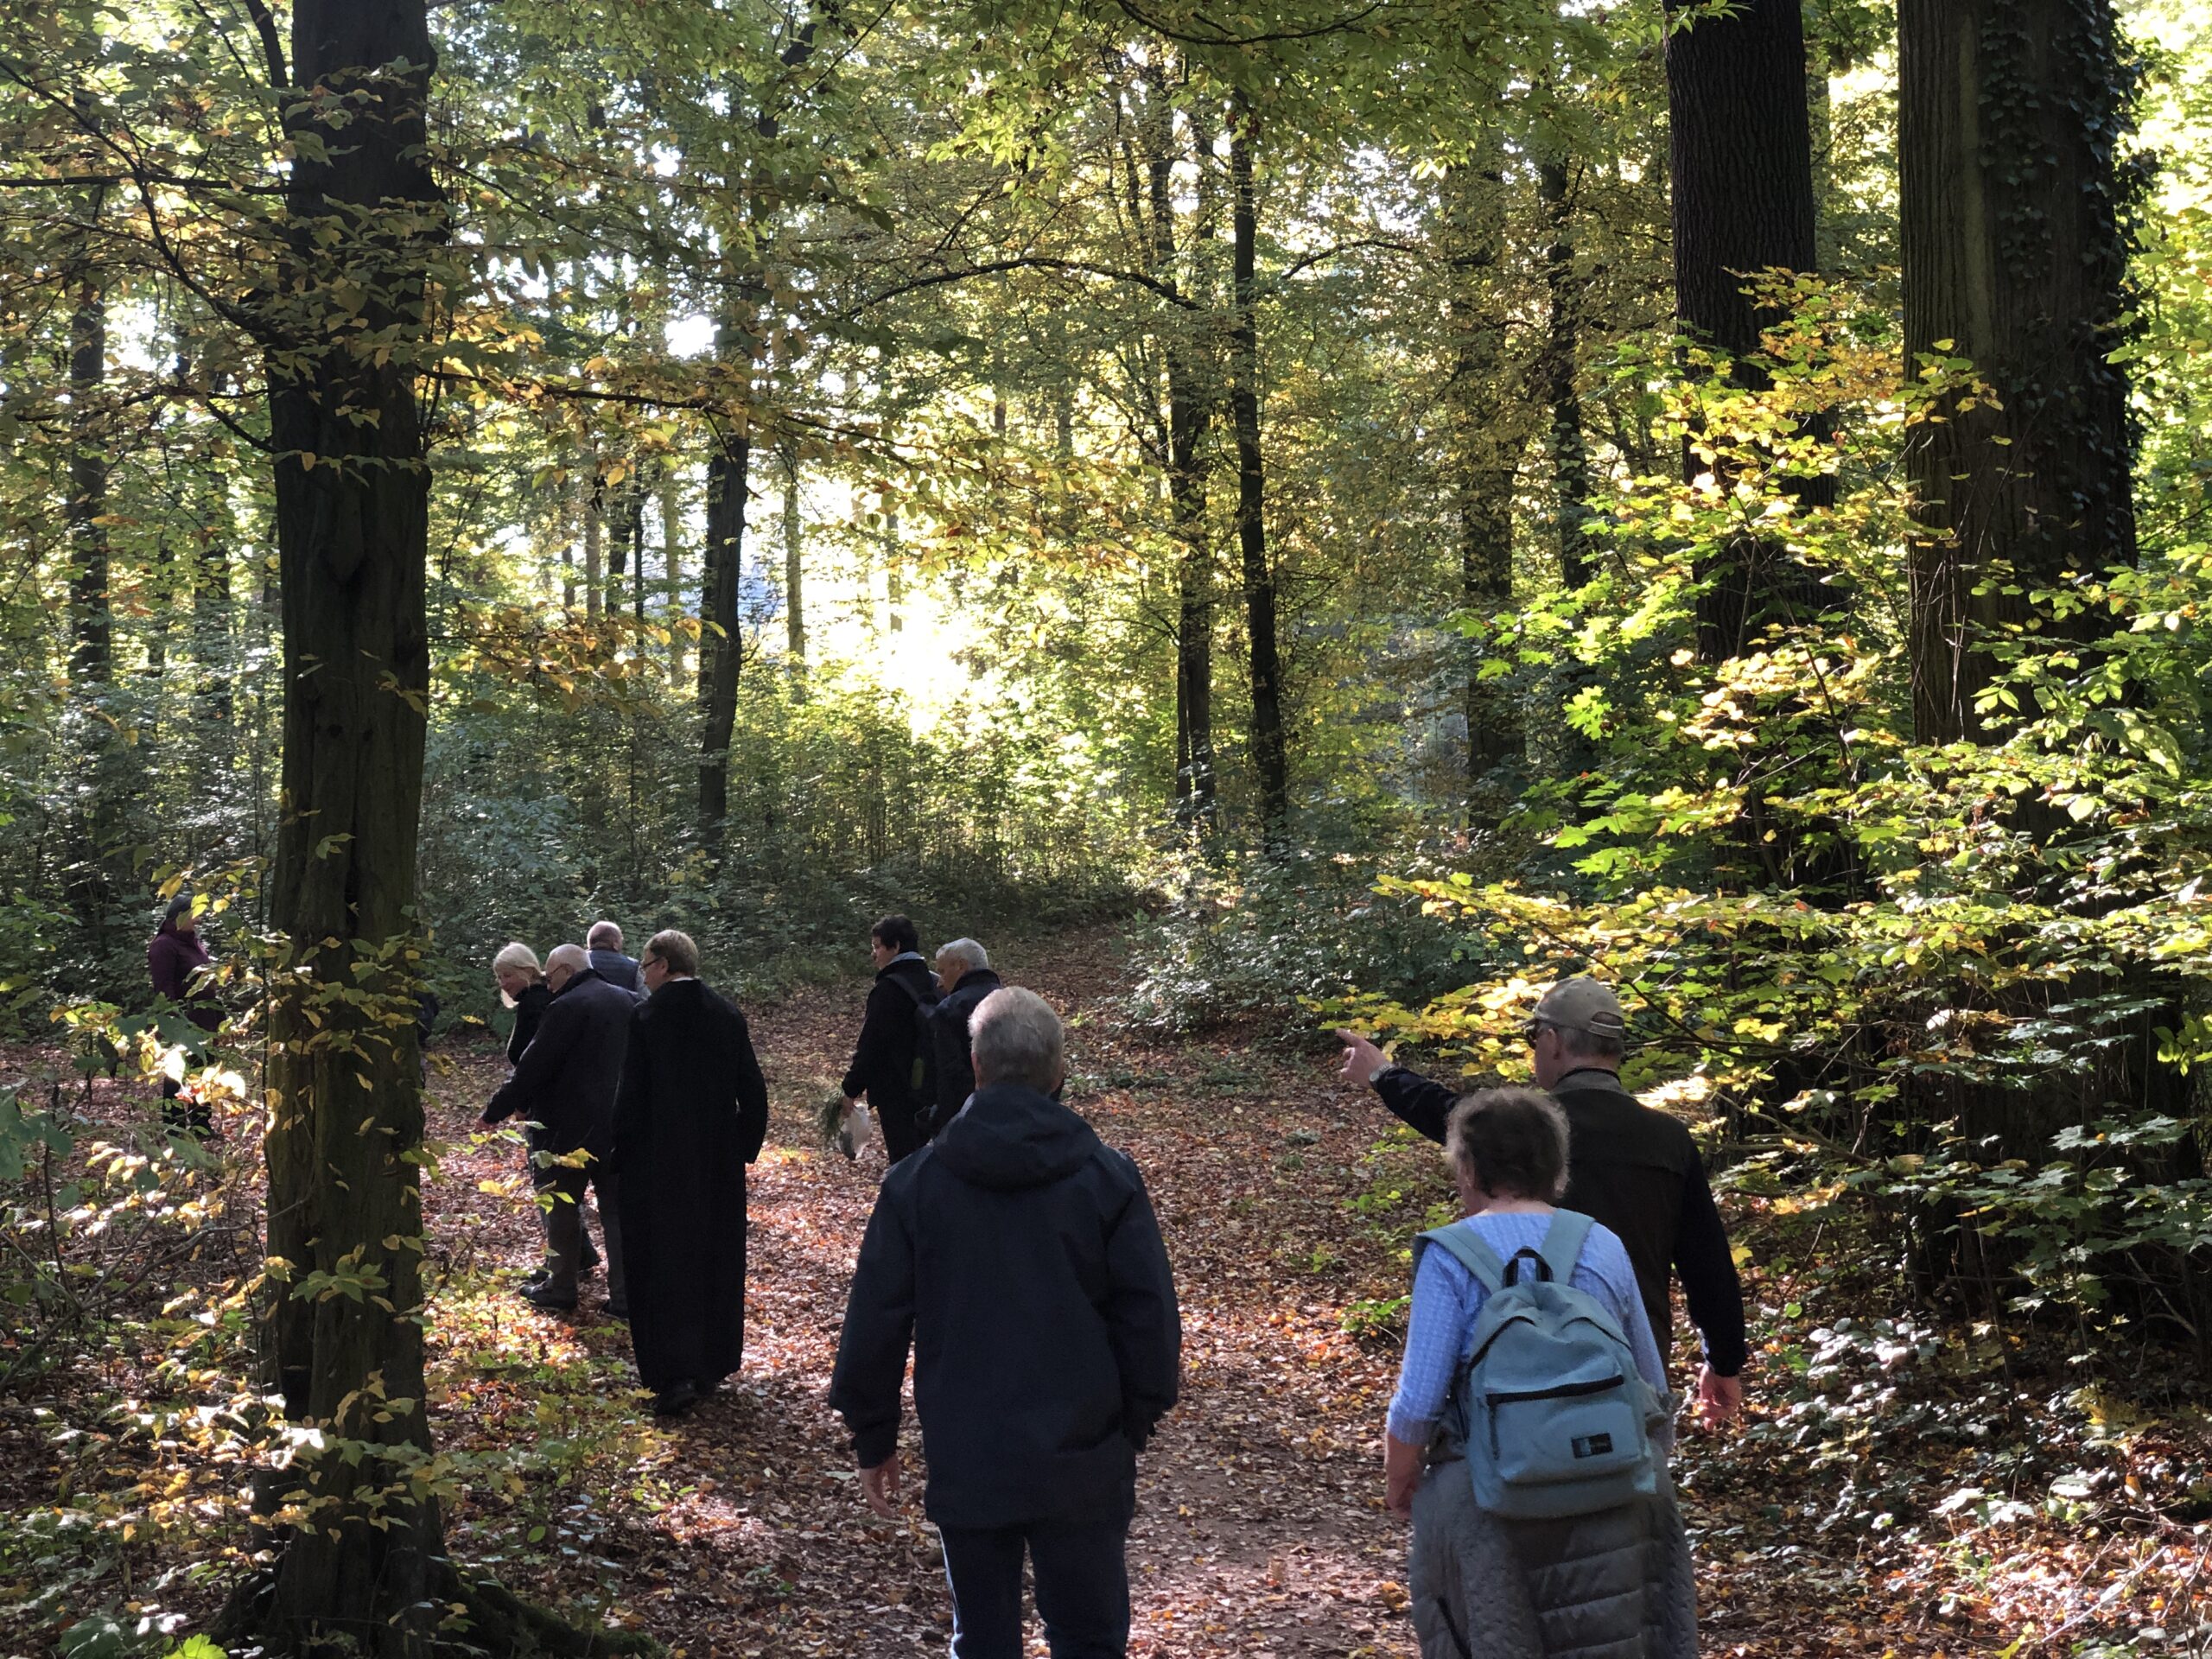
(1083, 1588)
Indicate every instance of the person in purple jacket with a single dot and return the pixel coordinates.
(178, 964)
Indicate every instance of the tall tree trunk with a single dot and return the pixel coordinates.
(1190, 407)
(1570, 449)
(672, 567)
(1742, 161)
(1486, 436)
(211, 613)
(363, 1565)
(594, 493)
(794, 558)
(92, 617)
(1270, 762)
(2015, 259)
(728, 478)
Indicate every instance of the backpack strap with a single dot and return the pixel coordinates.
(1563, 1242)
(1470, 1252)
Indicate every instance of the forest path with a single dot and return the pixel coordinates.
(739, 1529)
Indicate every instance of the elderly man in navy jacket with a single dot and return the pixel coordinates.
(1020, 1258)
(565, 1084)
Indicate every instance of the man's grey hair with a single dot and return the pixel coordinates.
(570, 957)
(965, 954)
(604, 936)
(1017, 1038)
(1592, 1045)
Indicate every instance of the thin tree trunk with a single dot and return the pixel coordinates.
(2015, 259)
(344, 1335)
(1270, 762)
(1570, 449)
(1743, 202)
(211, 616)
(794, 559)
(91, 622)
(728, 478)
(594, 560)
(672, 568)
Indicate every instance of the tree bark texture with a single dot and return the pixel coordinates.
(2015, 257)
(1270, 760)
(794, 559)
(1570, 447)
(672, 567)
(1741, 156)
(363, 1549)
(722, 646)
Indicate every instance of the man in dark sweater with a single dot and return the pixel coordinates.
(603, 946)
(1021, 1260)
(964, 970)
(888, 1057)
(1634, 1169)
(565, 1084)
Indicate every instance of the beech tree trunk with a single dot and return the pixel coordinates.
(672, 568)
(794, 560)
(1742, 159)
(362, 1557)
(1270, 762)
(721, 648)
(2015, 259)
(1570, 449)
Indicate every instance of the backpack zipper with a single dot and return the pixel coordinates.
(1568, 1391)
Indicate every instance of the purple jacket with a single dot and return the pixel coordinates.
(171, 961)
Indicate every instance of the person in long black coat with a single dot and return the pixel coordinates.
(883, 1067)
(691, 1113)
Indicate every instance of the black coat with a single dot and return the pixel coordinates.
(691, 1113)
(1638, 1172)
(883, 1058)
(1021, 1258)
(530, 1008)
(566, 1079)
(956, 1068)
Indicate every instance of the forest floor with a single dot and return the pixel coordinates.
(1899, 1485)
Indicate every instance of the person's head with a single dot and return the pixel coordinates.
(604, 936)
(1507, 1144)
(178, 917)
(1578, 1025)
(668, 954)
(516, 969)
(562, 964)
(892, 936)
(1014, 1036)
(958, 959)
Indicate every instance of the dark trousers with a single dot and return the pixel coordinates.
(901, 1135)
(182, 1112)
(564, 1229)
(1083, 1588)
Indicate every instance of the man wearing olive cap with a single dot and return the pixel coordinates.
(1634, 1169)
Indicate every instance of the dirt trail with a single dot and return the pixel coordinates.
(1259, 1529)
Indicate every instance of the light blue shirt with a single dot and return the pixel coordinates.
(1447, 1299)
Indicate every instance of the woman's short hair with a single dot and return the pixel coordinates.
(897, 931)
(1017, 1038)
(676, 952)
(1512, 1141)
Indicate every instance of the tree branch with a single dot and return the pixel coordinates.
(272, 48)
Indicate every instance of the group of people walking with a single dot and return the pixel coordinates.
(1017, 1259)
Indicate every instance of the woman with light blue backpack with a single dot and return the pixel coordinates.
(1529, 1436)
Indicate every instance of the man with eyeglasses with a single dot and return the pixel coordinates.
(1634, 1169)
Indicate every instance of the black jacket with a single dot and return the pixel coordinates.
(567, 1076)
(1638, 1172)
(956, 1068)
(883, 1058)
(691, 1116)
(1022, 1258)
(530, 1009)
(617, 970)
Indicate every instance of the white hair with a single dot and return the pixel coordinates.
(570, 957)
(1017, 1038)
(965, 954)
(604, 936)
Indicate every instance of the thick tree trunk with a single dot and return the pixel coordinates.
(1270, 762)
(1486, 436)
(362, 1560)
(1742, 161)
(2014, 258)
(728, 478)
(1570, 449)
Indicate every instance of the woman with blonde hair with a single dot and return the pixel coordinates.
(522, 988)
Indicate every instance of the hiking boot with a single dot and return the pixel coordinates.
(543, 1296)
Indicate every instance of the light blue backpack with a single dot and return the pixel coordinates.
(1552, 1410)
